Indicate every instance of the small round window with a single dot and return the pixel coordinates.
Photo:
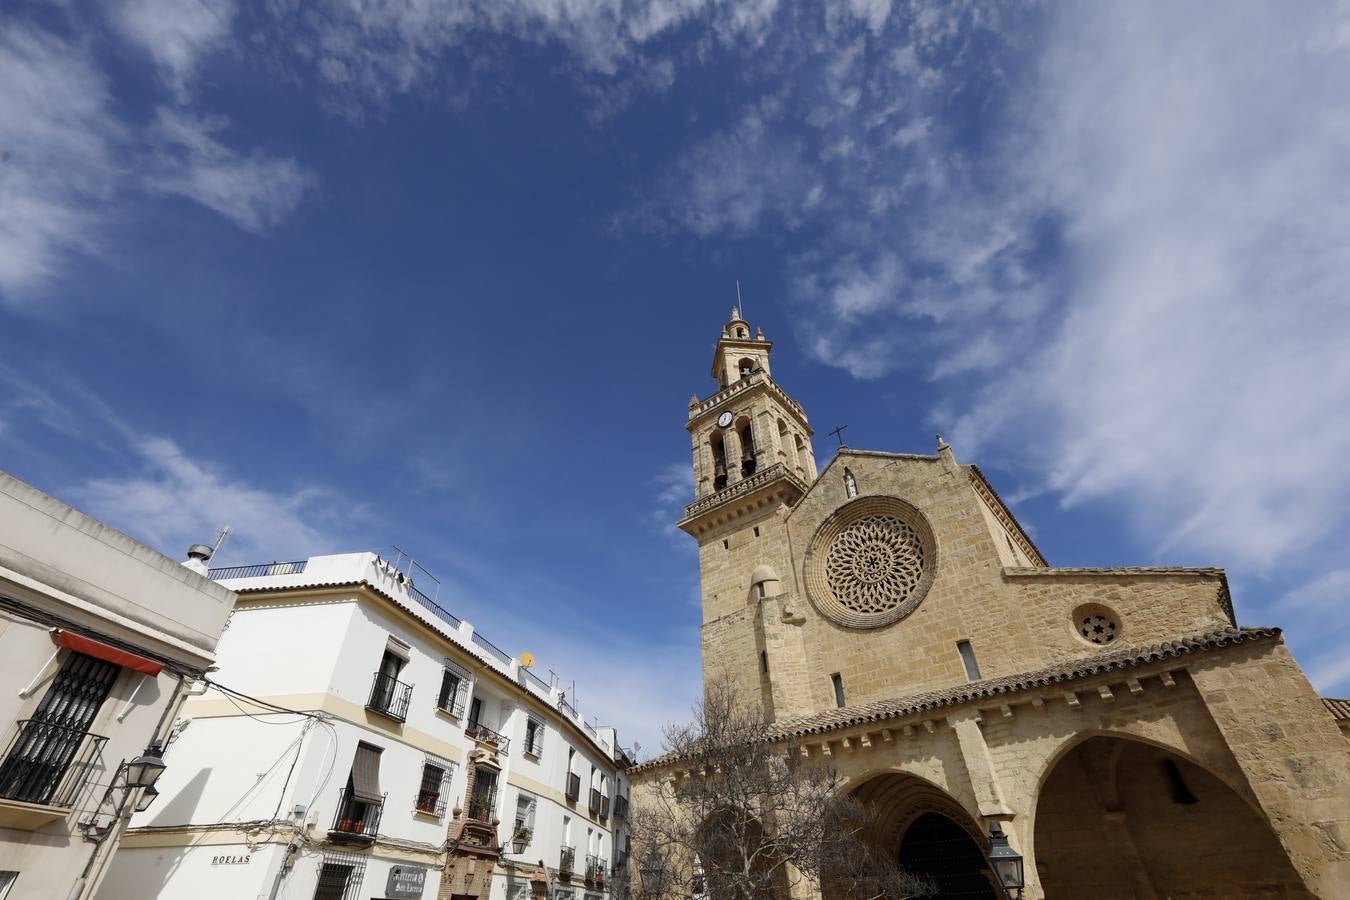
(1096, 624)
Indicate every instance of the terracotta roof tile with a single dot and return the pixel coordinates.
(1069, 670)
(1339, 708)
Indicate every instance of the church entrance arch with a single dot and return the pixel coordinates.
(1120, 818)
(930, 833)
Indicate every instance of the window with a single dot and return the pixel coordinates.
(525, 807)
(763, 654)
(726, 545)
(52, 752)
(475, 711)
(838, 681)
(7, 880)
(968, 660)
(388, 695)
(454, 687)
(534, 737)
(756, 531)
(340, 876)
(484, 799)
(435, 788)
(361, 802)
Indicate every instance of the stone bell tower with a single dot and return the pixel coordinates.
(752, 459)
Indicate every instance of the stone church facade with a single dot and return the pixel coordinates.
(891, 617)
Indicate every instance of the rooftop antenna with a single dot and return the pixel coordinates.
(221, 534)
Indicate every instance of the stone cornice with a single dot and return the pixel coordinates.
(755, 379)
(742, 488)
(994, 690)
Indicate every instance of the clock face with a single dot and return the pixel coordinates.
(724, 419)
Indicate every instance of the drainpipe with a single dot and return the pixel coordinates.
(85, 886)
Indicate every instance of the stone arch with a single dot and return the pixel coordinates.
(717, 446)
(1117, 816)
(928, 830)
(745, 431)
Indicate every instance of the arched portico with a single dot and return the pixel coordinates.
(929, 831)
(1117, 817)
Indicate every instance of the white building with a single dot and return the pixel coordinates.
(101, 638)
(422, 749)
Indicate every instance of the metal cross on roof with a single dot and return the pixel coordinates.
(838, 434)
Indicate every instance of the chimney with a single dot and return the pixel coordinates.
(198, 555)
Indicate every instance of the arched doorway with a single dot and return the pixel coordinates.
(930, 833)
(937, 848)
(1119, 818)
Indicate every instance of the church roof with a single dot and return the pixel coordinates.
(879, 711)
(1337, 707)
(1069, 670)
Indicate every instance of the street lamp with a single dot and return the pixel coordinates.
(147, 797)
(144, 770)
(1006, 863)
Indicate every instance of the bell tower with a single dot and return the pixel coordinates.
(752, 460)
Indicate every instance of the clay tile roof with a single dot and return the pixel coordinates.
(1069, 670)
(1338, 708)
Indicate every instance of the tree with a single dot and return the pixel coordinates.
(733, 813)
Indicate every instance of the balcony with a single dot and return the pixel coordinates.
(482, 805)
(259, 570)
(390, 697)
(604, 808)
(620, 807)
(595, 802)
(567, 857)
(48, 765)
(573, 786)
(487, 737)
(595, 871)
(356, 820)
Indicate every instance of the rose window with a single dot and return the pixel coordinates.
(1098, 629)
(874, 564)
(870, 563)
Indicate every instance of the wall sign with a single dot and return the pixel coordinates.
(229, 859)
(406, 881)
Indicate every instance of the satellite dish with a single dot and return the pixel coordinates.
(527, 659)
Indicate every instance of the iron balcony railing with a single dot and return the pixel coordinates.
(573, 786)
(567, 858)
(595, 801)
(48, 763)
(604, 807)
(482, 805)
(390, 697)
(620, 807)
(485, 735)
(260, 570)
(595, 870)
(356, 819)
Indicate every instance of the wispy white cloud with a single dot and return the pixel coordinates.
(1206, 339)
(174, 500)
(254, 190)
(58, 163)
(176, 34)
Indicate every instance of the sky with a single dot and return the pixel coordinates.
(350, 274)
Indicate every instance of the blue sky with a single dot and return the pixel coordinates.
(444, 274)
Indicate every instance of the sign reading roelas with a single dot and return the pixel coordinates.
(228, 859)
(405, 881)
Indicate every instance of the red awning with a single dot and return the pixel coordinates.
(99, 650)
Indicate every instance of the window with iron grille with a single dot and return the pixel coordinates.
(340, 876)
(534, 737)
(525, 808)
(434, 793)
(484, 798)
(454, 689)
(50, 754)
